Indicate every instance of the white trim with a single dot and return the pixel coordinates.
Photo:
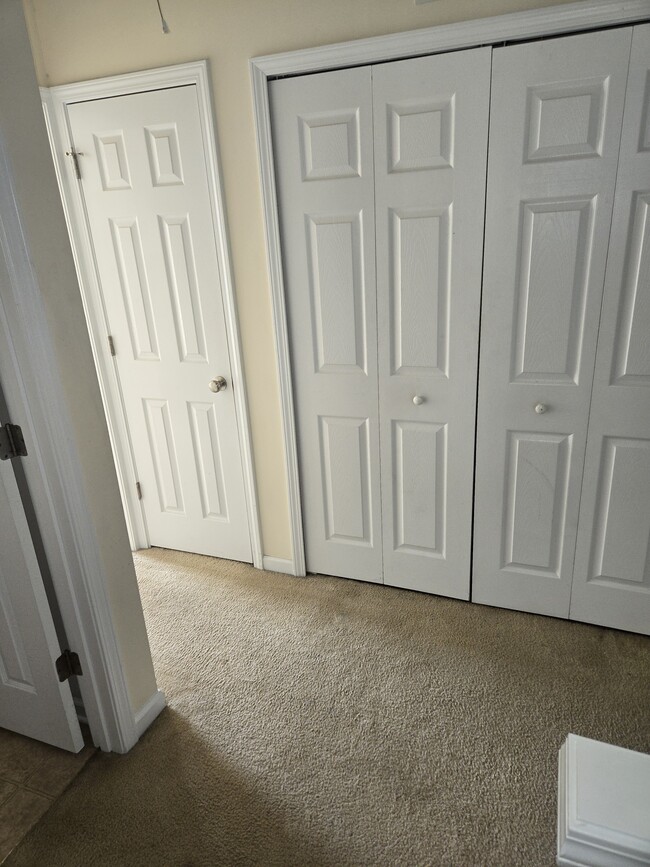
(277, 564)
(549, 21)
(33, 389)
(55, 103)
(149, 711)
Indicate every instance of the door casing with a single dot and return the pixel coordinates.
(55, 104)
(531, 24)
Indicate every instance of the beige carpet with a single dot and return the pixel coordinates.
(321, 721)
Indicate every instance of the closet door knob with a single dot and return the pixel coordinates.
(418, 399)
(217, 384)
(540, 408)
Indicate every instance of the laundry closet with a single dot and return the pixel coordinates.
(466, 258)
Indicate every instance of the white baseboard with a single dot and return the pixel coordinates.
(149, 711)
(277, 564)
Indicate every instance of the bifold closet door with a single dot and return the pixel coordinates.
(431, 117)
(611, 584)
(555, 126)
(323, 148)
(388, 356)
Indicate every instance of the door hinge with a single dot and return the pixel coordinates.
(111, 345)
(12, 442)
(138, 490)
(67, 665)
(75, 159)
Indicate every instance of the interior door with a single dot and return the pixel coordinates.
(431, 124)
(322, 133)
(32, 700)
(611, 584)
(145, 188)
(555, 125)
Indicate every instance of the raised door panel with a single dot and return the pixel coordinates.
(555, 126)
(145, 187)
(611, 584)
(431, 117)
(322, 134)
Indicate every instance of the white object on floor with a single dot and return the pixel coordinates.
(603, 805)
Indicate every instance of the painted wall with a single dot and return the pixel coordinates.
(22, 127)
(74, 40)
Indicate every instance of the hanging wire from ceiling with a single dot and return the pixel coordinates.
(165, 25)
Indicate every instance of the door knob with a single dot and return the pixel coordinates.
(540, 408)
(418, 399)
(217, 384)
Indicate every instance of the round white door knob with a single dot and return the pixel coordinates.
(540, 408)
(217, 384)
(418, 399)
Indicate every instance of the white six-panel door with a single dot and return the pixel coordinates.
(611, 582)
(145, 189)
(322, 128)
(431, 117)
(555, 127)
(387, 487)
(32, 701)
(384, 368)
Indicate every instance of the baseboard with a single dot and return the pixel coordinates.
(149, 711)
(277, 564)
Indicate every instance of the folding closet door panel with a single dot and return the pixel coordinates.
(431, 122)
(555, 127)
(322, 137)
(611, 582)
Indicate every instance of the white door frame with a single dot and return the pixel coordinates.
(55, 105)
(34, 393)
(550, 21)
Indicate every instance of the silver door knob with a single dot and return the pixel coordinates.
(217, 384)
(540, 408)
(418, 399)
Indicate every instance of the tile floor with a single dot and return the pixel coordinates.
(32, 776)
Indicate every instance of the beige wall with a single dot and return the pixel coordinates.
(75, 40)
(22, 128)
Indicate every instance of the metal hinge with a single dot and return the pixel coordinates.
(138, 489)
(67, 665)
(12, 442)
(111, 345)
(75, 159)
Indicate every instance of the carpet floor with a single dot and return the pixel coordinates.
(321, 721)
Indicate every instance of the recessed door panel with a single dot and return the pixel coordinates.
(621, 537)
(183, 285)
(420, 255)
(337, 289)
(611, 584)
(534, 525)
(346, 480)
(631, 344)
(555, 123)
(556, 238)
(134, 284)
(209, 466)
(145, 186)
(420, 472)
(430, 153)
